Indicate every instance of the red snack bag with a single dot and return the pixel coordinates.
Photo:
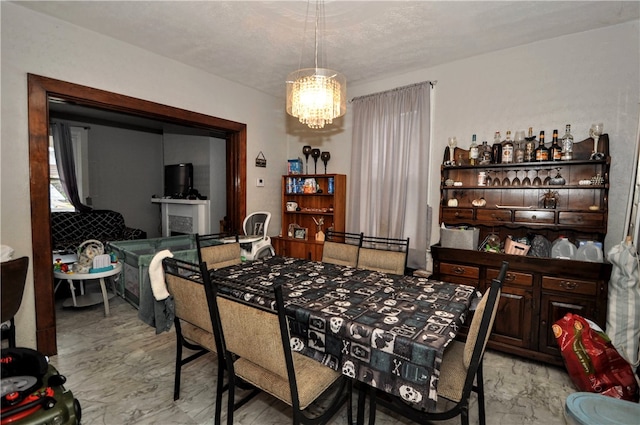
(593, 363)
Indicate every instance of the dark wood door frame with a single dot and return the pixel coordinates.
(39, 90)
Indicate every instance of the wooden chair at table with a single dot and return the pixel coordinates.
(13, 279)
(216, 253)
(461, 366)
(386, 255)
(341, 248)
(258, 352)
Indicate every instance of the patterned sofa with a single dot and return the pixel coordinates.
(70, 229)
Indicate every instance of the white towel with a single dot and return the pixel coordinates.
(156, 275)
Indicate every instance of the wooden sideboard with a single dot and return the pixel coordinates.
(537, 291)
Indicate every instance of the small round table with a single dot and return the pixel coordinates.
(85, 300)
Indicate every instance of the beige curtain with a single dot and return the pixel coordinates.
(390, 167)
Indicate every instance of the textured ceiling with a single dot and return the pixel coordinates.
(258, 43)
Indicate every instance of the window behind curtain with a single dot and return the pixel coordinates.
(390, 168)
(59, 200)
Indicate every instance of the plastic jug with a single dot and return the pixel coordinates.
(563, 248)
(589, 251)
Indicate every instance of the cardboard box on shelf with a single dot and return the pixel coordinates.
(459, 237)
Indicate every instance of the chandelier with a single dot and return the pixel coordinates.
(316, 95)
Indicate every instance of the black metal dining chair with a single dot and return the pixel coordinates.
(14, 276)
(194, 329)
(385, 255)
(341, 248)
(258, 351)
(460, 371)
(215, 253)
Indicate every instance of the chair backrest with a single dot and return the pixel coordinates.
(386, 255)
(215, 253)
(252, 333)
(257, 223)
(14, 276)
(341, 248)
(185, 283)
(482, 323)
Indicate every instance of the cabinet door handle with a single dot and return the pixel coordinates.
(568, 285)
(510, 277)
(457, 214)
(458, 270)
(534, 217)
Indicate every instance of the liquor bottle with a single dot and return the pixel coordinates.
(496, 149)
(474, 154)
(518, 152)
(486, 156)
(530, 146)
(541, 152)
(507, 149)
(567, 144)
(555, 152)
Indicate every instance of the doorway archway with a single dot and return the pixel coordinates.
(40, 89)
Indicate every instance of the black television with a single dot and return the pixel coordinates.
(178, 180)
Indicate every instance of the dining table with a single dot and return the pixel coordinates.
(388, 331)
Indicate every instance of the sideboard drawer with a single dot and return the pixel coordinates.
(460, 270)
(581, 219)
(574, 286)
(512, 278)
(493, 215)
(455, 214)
(535, 216)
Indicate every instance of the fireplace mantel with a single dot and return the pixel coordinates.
(184, 216)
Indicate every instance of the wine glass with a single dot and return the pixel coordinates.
(547, 180)
(596, 131)
(505, 180)
(325, 157)
(489, 179)
(526, 181)
(306, 150)
(537, 181)
(496, 179)
(516, 180)
(452, 144)
(315, 154)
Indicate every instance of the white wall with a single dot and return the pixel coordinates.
(208, 156)
(218, 182)
(544, 85)
(125, 169)
(37, 44)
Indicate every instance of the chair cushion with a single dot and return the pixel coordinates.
(198, 336)
(340, 253)
(452, 372)
(312, 377)
(382, 261)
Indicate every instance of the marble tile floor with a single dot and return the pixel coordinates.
(122, 373)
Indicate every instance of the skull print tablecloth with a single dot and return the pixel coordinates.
(385, 330)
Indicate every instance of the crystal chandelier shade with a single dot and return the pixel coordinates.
(316, 96)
